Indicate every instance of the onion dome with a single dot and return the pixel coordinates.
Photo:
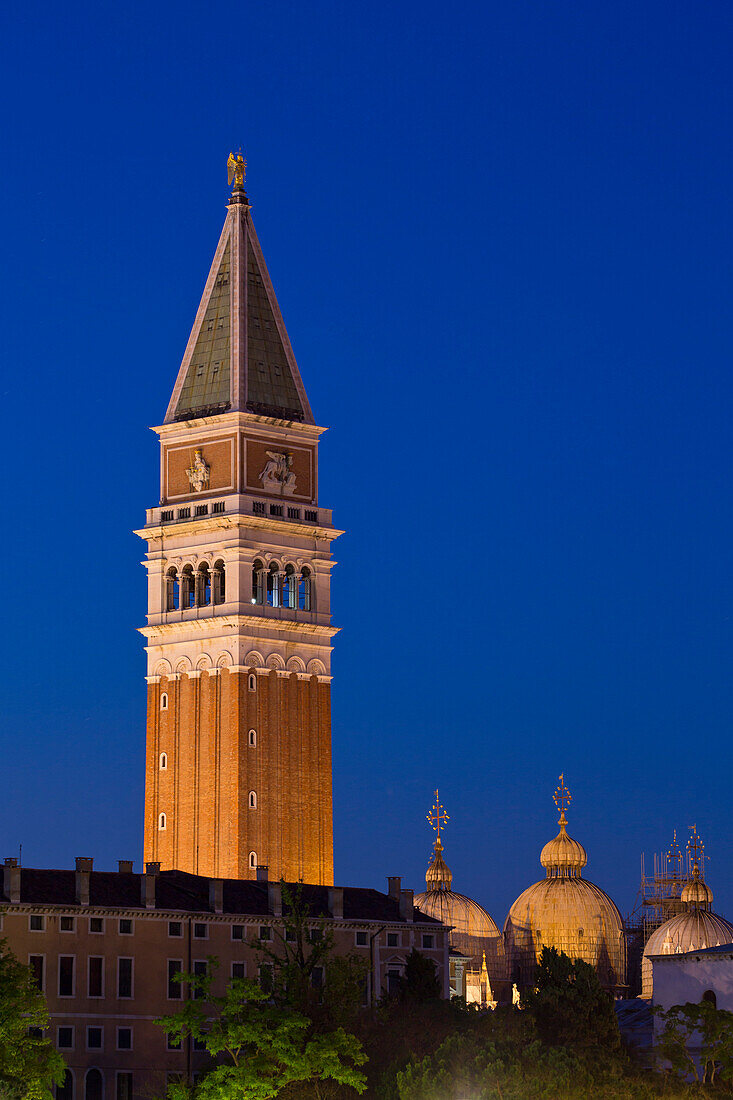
(473, 931)
(697, 894)
(566, 912)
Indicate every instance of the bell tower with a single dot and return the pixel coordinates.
(238, 763)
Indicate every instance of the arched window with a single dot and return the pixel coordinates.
(252, 800)
(172, 589)
(709, 996)
(274, 585)
(161, 821)
(220, 590)
(305, 595)
(164, 701)
(188, 588)
(252, 682)
(203, 585)
(163, 767)
(290, 587)
(65, 1091)
(252, 738)
(94, 1085)
(253, 861)
(258, 582)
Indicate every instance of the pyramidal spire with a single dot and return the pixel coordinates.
(238, 357)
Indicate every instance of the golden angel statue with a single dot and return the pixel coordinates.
(236, 169)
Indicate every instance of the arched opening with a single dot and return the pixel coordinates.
(258, 582)
(65, 1091)
(253, 861)
(164, 701)
(203, 585)
(710, 998)
(290, 587)
(252, 739)
(305, 595)
(274, 585)
(163, 761)
(94, 1085)
(252, 800)
(161, 821)
(188, 588)
(172, 589)
(252, 682)
(219, 586)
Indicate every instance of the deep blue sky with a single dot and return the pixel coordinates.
(500, 234)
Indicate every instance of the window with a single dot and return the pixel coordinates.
(172, 589)
(173, 1042)
(184, 513)
(201, 510)
(265, 932)
(253, 861)
(316, 935)
(124, 1086)
(174, 987)
(164, 761)
(274, 585)
(95, 977)
(220, 588)
(252, 682)
(124, 978)
(362, 939)
(293, 513)
(175, 928)
(35, 1032)
(290, 587)
(252, 739)
(258, 507)
(188, 589)
(311, 515)
(94, 1038)
(304, 590)
(710, 998)
(161, 822)
(94, 1085)
(96, 925)
(393, 981)
(65, 1038)
(124, 1038)
(199, 1044)
(266, 976)
(36, 964)
(252, 800)
(203, 585)
(217, 506)
(164, 701)
(317, 977)
(65, 1091)
(37, 923)
(237, 931)
(66, 924)
(199, 969)
(428, 941)
(238, 970)
(393, 939)
(125, 926)
(290, 936)
(66, 975)
(276, 509)
(200, 931)
(166, 516)
(258, 582)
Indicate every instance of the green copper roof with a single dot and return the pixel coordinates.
(207, 381)
(270, 386)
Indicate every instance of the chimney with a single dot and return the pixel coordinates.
(216, 894)
(407, 904)
(11, 880)
(275, 898)
(147, 885)
(124, 866)
(336, 902)
(84, 866)
(262, 872)
(394, 887)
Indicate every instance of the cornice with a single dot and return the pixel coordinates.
(236, 622)
(234, 522)
(228, 420)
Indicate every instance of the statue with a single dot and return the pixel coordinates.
(198, 473)
(236, 169)
(515, 995)
(277, 476)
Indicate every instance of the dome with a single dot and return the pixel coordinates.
(438, 875)
(690, 931)
(697, 894)
(565, 912)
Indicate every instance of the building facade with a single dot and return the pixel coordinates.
(105, 948)
(238, 768)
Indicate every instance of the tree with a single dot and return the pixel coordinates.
(420, 981)
(29, 1064)
(569, 1004)
(697, 1028)
(260, 1048)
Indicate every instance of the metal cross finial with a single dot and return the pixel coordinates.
(437, 816)
(695, 846)
(562, 797)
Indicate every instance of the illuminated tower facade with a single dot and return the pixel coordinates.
(238, 768)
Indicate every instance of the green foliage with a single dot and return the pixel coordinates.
(569, 1005)
(29, 1066)
(702, 1028)
(420, 980)
(257, 1048)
